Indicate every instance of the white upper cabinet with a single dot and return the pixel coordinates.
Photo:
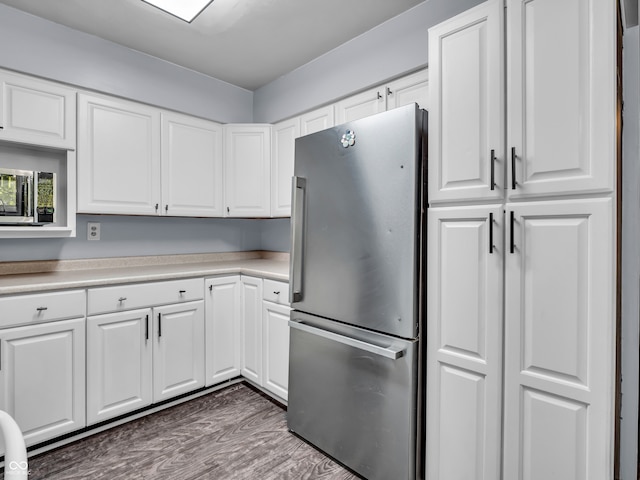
(192, 181)
(466, 106)
(247, 168)
(361, 105)
(561, 74)
(118, 156)
(282, 160)
(316, 120)
(413, 88)
(37, 112)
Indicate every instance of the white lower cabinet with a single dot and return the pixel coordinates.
(119, 364)
(42, 378)
(178, 355)
(222, 328)
(251, 320)
(559, 371)
(275, 348)
(147, 354)
(265, 334)
(464, 342)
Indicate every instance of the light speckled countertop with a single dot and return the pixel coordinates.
(32, 277)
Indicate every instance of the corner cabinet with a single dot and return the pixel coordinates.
(521, 330)
(222, 328)
(37, 112)
(118, 156)
(247, 169)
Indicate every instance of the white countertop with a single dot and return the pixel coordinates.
(31, 277)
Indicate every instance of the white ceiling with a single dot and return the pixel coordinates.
(247, 43)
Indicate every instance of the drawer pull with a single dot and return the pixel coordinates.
(41, 309)
(276, 293)
(122, 299)
(182, 292)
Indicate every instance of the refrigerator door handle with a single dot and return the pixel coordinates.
(392, 352)
(297, 222)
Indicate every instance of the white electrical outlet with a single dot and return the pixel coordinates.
(93, 231)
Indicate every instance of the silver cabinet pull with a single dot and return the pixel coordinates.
(297, 240)
(182, 292)
(389, 352)
(41, 309)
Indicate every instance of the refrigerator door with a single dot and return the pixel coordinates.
(353, 395)
(356, 221)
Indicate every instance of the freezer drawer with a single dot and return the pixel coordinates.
(352, 393)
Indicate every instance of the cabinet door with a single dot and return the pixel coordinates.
(37, 112)
(247, 164)
(559, 341)
(464, 343)
(275, 348)
(466, 101)
(562, 96)
(284, 143)
(412, 88)
(43, 378)
(119, 376)
(361, 105)
(251, 353)
(178, 355)
(118, 157)
(316, 120)
(191, 166)
(222, 328)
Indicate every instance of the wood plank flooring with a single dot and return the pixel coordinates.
(235, 433)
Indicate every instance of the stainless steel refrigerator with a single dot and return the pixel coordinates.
(357, 290)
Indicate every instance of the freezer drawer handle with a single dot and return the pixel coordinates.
(297, 242)
(389, 352)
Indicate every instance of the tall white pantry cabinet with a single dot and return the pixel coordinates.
(521, 231)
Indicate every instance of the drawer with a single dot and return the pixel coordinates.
(128, 297)
(276, 292)
(41, 307)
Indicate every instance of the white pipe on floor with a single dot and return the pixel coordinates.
(15, 455)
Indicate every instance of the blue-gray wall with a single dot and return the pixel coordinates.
(389, 50)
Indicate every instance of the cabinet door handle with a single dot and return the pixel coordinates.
(389, 92)
(122, 299)
(146, 328)
(491, 232)
(166, 208)
(41, 309)
(211, 288)
(159, 325)
(511, 233)
(493, 169)
(379, 96)
(228, 210)
(157, 207)
(513, 168)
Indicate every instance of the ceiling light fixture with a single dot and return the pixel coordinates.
(185, 10)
